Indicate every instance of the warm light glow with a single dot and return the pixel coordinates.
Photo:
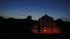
(46, 26)
(44, 30)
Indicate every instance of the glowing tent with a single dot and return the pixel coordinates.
(46, 25)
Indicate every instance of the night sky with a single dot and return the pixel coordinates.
(20, 9)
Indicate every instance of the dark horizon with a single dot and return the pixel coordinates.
(36, 20)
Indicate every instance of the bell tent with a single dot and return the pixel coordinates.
(46, 25)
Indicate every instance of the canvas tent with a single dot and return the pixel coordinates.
(46, 25)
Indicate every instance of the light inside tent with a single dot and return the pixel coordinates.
(44, 30)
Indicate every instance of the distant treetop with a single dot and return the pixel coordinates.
(29, 17)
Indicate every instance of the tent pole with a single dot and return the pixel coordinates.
(39, 25)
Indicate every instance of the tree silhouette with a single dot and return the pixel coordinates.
(59, 20)
(11, 18)
(1, 17)
(29, 17)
